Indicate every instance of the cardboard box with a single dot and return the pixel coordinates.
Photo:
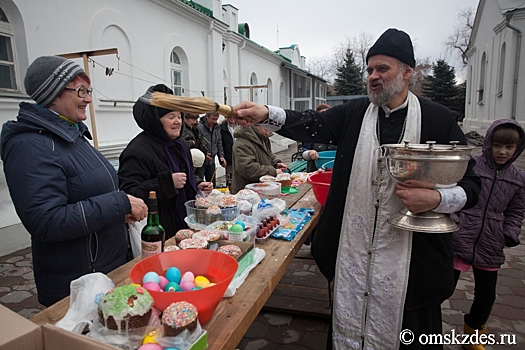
(18, 333)
(246, 258)
(56, 338)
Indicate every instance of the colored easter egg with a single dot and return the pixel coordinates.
(236, 228)
(150, 346)
(163, 282)
(201, 281)
(241, 224)
(173, 274)
(172, 287)
(187, 285)
(150, 338)
(150, 277)
(152, 286)
(196, 288)
(188, 276)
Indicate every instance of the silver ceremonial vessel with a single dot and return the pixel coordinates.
(430, 163)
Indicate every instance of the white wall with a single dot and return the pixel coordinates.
(490, 35)
(144, 32)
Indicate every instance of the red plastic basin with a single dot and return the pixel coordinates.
(218, 267)
(320, 184)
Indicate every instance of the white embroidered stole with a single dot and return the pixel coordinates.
(372, 267)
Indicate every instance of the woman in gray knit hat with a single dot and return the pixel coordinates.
(64, 191)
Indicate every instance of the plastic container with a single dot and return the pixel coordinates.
(196, 217)
(248, 235)
(328, 165)
(324, 157)
(262, 240)
(320, 185)
(266, 189)
(219, 268)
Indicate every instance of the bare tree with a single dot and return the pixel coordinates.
(359, 45)
(421, 71)
(323, 67)
(459, 41)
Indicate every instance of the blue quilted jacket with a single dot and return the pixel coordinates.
(495, 222)
(66, 195)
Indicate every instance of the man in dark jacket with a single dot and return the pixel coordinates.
(191, 133)
(227, 128)
(211, 138)
(386, 279)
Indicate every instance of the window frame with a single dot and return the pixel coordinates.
(7, 31)
(178, 69)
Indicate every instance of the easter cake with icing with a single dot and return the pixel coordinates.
(126, 307)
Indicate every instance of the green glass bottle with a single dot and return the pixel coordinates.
(153, 235)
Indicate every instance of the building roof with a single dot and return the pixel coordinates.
(510, 5)
(198, 7)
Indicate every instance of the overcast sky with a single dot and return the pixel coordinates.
(318, 26)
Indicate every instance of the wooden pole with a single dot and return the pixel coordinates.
(91, 108)
(85, 55)
(251, 87)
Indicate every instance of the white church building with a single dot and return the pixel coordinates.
(195, 47)
(496, 65)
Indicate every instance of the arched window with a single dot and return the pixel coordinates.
(176, 74)
(269, 91)
(253, 81)
(225, 84)
(7, 59)
(482, 71)
(501, 69)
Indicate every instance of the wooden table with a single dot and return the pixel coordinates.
(234, 315)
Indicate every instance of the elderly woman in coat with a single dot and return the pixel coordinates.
(158, 159)
(64, 191)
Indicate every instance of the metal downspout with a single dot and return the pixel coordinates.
(209, 59)
(508, 17)
(290, 84)
(240, 69)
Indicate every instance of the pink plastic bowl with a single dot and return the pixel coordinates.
(218, 267)
(320, 185)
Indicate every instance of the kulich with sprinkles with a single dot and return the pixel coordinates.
(126, 307)
(229, 205)
(183, 234)
(213, 214)
(231, 250)
(194, 243)
(178, 317)
(211, 237)
(202, 204)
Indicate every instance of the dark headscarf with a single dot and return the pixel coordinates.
(148, 119)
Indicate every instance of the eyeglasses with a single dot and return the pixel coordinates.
(82, 91)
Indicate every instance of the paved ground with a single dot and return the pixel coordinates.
(285, 331)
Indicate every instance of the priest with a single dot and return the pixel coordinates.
(388, 283)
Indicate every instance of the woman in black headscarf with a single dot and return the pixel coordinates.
(158, 160)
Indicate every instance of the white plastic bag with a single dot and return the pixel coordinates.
(258, 255)
(86, 291)
(135, 240)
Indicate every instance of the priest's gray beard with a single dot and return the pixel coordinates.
(388, 92)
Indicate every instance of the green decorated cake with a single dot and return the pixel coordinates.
(125, 307)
